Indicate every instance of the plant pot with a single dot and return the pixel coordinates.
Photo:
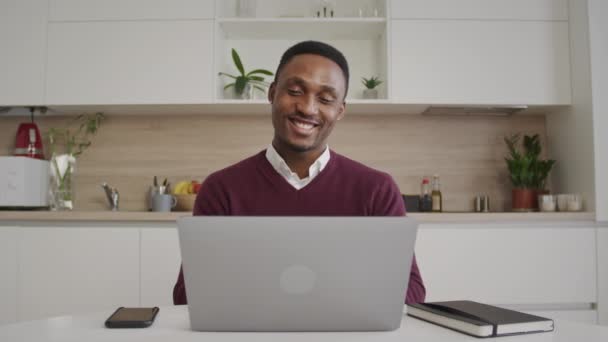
(370, 93)
(247, 93)
(524, 200)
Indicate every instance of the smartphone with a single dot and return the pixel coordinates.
(132, 317)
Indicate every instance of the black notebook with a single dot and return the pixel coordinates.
(478, 319)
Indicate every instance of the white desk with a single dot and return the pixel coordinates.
(172, 324)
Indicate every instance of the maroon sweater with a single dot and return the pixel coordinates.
(252, 187)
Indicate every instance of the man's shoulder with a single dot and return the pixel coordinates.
(359, 170)
(239, 170)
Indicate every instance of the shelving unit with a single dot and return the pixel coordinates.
(303, 28)
(261, 40)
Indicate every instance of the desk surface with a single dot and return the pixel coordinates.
(172, 324)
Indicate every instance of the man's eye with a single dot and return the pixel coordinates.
(326, 100)
(293, 92)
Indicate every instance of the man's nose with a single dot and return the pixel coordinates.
(307, 105)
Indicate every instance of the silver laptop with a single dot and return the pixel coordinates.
(296, 273)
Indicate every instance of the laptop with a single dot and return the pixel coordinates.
(245, 273)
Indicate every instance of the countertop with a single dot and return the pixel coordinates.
(168, 217)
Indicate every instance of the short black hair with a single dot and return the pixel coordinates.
(315, 48)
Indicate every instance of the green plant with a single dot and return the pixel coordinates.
(75, 141)
(525, 168)
(252, 77)
(372, 82)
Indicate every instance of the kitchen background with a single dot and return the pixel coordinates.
(467, 152)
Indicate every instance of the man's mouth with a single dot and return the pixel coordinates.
(303, 126)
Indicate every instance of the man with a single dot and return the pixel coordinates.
(298, 175)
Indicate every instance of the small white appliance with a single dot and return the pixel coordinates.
(24, 182)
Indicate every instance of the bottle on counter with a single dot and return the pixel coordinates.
(437, 204)
(425, 196)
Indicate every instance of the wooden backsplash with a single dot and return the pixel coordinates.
(467, 152)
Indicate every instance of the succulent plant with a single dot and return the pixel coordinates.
(372, 82)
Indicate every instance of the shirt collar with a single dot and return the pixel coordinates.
(279, 164)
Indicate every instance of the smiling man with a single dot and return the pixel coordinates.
(298, 175)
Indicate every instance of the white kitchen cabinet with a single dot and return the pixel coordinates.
(509, 265)
(130, 62)
(23, 41)
(480, 62)
(89, 10)
(160, 261)
(602, 273)
(8, 272)
(480, 9)
(71, 270)
(598, 51)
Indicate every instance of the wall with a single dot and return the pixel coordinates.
(129, 150)
(598, 36)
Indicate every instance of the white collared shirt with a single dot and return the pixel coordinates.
(279, 164)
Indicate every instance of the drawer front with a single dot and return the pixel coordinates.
(508, 265)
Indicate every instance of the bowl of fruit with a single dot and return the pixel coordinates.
(185, 192)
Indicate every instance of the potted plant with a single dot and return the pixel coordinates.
(527, 171)
(66, 144)
(370, 91)
(245, 83)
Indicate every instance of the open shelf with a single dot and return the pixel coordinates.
(303, 28)
(233, 107)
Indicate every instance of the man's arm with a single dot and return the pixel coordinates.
(208, 202)
(387, 201)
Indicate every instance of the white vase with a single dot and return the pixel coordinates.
(370, 94)
(61, 187)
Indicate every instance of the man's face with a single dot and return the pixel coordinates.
(307, 99)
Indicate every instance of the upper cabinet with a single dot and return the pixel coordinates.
(114, 52)
(480, 62)
(87, 10)
(129, 62)
(480, 9)
(23, 39)
(474, 54)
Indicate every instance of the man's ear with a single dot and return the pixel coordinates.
(271, 91)
(342, 110)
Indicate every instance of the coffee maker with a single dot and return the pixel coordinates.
(28, 142)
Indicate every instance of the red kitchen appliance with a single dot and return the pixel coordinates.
(28, 142)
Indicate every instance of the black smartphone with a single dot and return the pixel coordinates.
(132, 317)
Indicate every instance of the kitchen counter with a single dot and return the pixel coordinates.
(141, 216)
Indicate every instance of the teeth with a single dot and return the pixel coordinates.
(303, 125)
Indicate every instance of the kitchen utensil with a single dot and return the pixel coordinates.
(163, 202)
(28, 142)
(575, 202)
(562, 202)
(547, 203)
(482, 204)
(412, 203)
(112, 195)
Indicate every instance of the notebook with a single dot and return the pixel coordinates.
(477, 319)
(296, 273)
